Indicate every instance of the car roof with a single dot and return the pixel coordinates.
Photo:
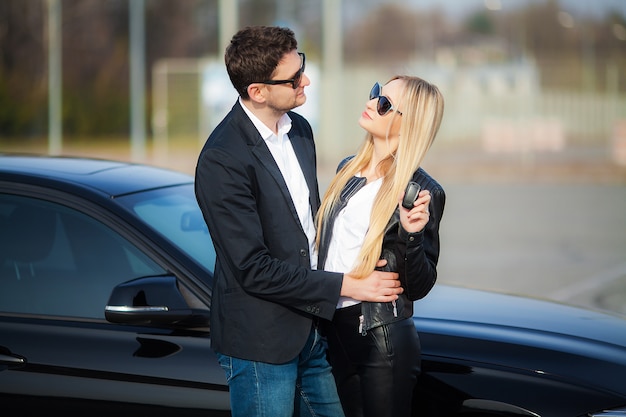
(113, 178)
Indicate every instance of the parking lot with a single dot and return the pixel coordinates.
(561, 242)
(551, 228)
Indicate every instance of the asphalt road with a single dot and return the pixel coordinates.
(561, 242)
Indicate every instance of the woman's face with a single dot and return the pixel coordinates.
(386, 125)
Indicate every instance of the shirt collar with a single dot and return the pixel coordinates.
(284, 126)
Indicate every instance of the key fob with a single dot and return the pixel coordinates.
(410, 195)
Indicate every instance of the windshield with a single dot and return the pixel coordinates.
(174, 213)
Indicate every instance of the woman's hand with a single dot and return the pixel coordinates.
(415, 219)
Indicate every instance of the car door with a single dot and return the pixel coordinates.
(58, 266)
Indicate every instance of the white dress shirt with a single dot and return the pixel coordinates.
(349, 229)
(282, 151)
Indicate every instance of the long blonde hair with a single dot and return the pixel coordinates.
(422, 110)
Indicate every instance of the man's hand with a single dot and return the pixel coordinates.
(379, 287)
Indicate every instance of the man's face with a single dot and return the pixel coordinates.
(283, 97)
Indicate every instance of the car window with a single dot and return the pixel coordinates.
(174, 213)
(58, 261)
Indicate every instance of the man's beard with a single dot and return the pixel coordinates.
(282, 109)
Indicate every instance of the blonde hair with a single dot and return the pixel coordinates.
(422, 107)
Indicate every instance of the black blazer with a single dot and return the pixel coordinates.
(265, 294)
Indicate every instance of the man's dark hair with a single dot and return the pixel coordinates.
(254, 53)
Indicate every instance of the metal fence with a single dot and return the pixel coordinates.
(500, 111)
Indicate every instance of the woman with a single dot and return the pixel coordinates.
(373, 347)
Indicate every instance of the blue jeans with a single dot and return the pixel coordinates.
(302, 387)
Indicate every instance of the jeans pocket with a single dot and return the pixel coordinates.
(226, 363)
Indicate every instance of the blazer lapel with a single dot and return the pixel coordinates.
(259, 149)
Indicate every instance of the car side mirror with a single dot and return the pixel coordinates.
(153, 301)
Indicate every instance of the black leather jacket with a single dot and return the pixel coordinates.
(413, 255)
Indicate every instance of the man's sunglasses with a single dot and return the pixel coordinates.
(295, 81)
(384, 105)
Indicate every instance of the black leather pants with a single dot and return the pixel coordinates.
(375, 373)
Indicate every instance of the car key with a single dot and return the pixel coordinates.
(410, 195)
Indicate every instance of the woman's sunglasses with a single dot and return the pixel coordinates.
(384, 105)
(295, 81)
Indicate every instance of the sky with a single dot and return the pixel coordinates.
(459, 8)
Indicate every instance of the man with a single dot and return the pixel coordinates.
(256, 185)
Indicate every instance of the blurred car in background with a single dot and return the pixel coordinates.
(105, 284)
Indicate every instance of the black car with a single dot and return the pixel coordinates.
(105, 284)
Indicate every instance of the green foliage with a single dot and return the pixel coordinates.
(20, 114)
(89, 114)
(84, 114)
(95, 49)
(480, 23)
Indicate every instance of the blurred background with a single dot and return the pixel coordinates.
(532, 149)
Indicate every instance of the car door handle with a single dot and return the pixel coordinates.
(11, 361)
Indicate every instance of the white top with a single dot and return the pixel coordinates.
(285, 157)
(349, 230)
